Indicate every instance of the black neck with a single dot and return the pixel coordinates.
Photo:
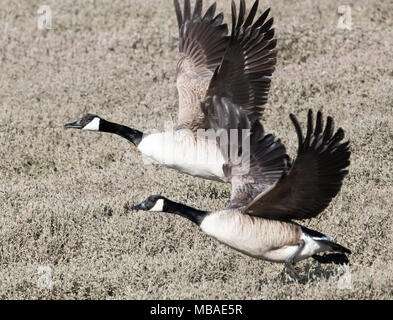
(180, 209)
(132, 135)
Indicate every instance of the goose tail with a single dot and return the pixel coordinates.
(339, 255)
(332, 251)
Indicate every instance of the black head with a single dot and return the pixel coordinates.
(87, 122)
(162, 204)
(93, 122)
(152, 203)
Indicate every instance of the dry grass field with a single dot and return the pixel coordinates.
(66, 227)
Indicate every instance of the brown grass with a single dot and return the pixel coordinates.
(65, 195)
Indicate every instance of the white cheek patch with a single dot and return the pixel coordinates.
(159, 206)
(93, 125)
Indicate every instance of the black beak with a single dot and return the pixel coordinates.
(140, 206)
(76, 125)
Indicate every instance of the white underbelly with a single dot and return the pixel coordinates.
(254, 238)
(235, 232)
(180, 150)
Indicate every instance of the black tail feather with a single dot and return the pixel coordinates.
(335, 246)
(336, 258)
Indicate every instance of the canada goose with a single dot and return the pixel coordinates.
(211, 63)
(264, 201)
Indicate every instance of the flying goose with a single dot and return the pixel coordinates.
(274, 192)
(211, 63)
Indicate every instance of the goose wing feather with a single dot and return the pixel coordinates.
(244, 74)
(315, 177)
(254, 161)
(202, 43)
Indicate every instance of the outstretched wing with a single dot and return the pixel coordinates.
(253, 161)
(315, 178)
(202, 44)
(243, 76)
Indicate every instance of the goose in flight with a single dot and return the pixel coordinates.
(265, 201)
(236, 67)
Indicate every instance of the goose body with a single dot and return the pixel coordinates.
(256, 237)
(183, 151)
(265, 239)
